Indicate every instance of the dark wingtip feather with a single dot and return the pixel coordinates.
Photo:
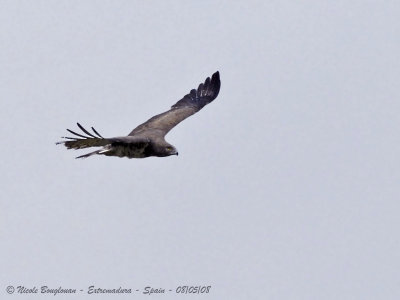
(98, 134)
(215, 76)
(215, 83)
(85, 131)
(77, 134)
(205, 93)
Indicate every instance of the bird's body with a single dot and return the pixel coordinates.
(125, 146)
(148, 139)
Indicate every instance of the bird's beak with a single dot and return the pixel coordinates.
(177, 153)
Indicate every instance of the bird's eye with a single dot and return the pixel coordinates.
(169, 148)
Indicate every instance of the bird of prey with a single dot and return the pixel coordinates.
(147, 139)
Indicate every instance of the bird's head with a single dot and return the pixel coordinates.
(165, 149)
(170, 150)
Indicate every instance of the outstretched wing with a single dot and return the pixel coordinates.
(81, 141)
(194, 101)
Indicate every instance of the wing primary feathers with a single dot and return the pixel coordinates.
(193, 94)
(77, 134)
(205, 93)
(81, 141)
(200, 90)
(70, 138)
(98, 134)
(206, 86)
(85, 131)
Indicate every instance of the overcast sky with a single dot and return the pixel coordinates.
(285, 187)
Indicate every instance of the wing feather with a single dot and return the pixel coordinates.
(77, 134)
(84, 130)
(98, 134)
(84, 141)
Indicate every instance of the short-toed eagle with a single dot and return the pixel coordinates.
(147, 139)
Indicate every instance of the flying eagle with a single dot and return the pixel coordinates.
(147, 139)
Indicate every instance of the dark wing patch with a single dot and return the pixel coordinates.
(191, 103)
(84, 141)
(205, 93)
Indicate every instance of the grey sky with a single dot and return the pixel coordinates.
(286, 186)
